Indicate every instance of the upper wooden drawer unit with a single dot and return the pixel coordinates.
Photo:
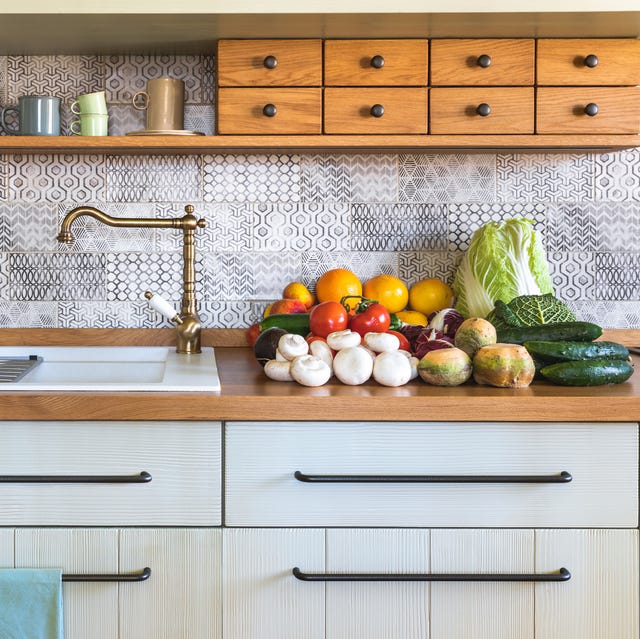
(578, 62)
(269, 63)
(376, 62)
(261, 488)
(482, 62)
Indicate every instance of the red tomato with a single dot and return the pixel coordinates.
(328, 317)
(374, 319)
(404, 342)
(252, 334)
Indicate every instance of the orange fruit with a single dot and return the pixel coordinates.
(389, 290)
(413, 317)
(333, 285)
(298, 291)
(430, 295)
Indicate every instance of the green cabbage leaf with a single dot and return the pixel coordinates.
(504, 260)
(530, 310)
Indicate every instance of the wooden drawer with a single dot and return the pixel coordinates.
(563, 110)
(565, 62)
(183, 459)
(479, 62)
(352, 110)
(458, 110)
(246, 111)
(261, 489)
(247, 63)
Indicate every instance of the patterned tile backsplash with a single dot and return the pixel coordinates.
(281, 217)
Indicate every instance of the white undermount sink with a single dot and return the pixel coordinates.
(111, 368)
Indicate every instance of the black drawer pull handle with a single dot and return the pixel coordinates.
(591, 61)
(483, 109)
(562, 575)
(591, 109)
(142, 478)
(120, 577)
(269, 110)
(563, 478)
(484, 61)
(270, 62)
(377, 62)
(377, 111)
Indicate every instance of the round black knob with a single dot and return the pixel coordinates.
(591, 61)
(484, 61)
(269, 110)
(270, 62)
(591, 109)
(377, 62)
(483, 109)
(377, 111)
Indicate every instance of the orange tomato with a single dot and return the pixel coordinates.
(335, 284)
(430, 295)
(389, 290)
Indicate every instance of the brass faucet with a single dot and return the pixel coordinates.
(187, 322)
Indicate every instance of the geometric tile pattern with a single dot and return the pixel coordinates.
(156, 178)
(617, 176)
(608, 314)
(251, 178)
(465, 219)
(3, 178)
(28, 227)
(573, 275)
(300, 227)
(224, 314)
(52, 178)
(398, 227)
(123, 119)
(544, 177)
(3, 80)
(107, 315)
(447, 178)
(199, 118)
(29, 315)
(5, 293)
(617, 276)
(415, 266)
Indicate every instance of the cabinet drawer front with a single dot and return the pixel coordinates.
(245, 111)
(183, 459)
(351, 110)
(482, 62)
(261, 459)
(248, 62)
(566, 62)
(457, 110)
(376, 62)
(564, 110)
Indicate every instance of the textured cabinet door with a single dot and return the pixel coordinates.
(90, 609)
(6, 548)
(600, 601)
(261, 597)
(181, 599)
(494, 610)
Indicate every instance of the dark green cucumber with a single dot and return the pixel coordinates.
(561, 331)
(572, 351)
(297, 323)
(592, 372)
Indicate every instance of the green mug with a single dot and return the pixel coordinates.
(91, 124)
(90, 103)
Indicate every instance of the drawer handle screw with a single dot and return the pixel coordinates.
(377, 111)
(591, 61)
(591, 109)
(484, 61)
(377, 62)
(270, 62)
(269, 110)
(483, 109)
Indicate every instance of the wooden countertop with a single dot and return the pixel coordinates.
(248, 395)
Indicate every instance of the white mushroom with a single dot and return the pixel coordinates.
(280, 357)
(353, 365)
(343, 339)
(413, 361)
(309, 370)
(292, 346)
(381, 342)
(392, 369)
(319, 348)
(278, 370)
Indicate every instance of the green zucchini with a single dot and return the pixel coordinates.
(592, 372)
(297, 323)
(561, 331)
(572, 351)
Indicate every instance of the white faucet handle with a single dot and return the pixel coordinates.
(163, 307)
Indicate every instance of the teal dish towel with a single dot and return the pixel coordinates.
(31, 604)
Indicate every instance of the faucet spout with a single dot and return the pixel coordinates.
(188, 324)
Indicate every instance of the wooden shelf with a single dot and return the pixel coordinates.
(163, 144)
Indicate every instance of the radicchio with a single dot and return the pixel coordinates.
(445, 321)
(423, 339)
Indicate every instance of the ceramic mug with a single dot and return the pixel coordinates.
(90, 124)
(164, 102)
(95, 103)
(37, 115)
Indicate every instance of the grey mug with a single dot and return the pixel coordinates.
(37, 115)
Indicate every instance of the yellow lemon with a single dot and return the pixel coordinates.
(413, 317)
(389, 290)
(298, 291)
(430, 295)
